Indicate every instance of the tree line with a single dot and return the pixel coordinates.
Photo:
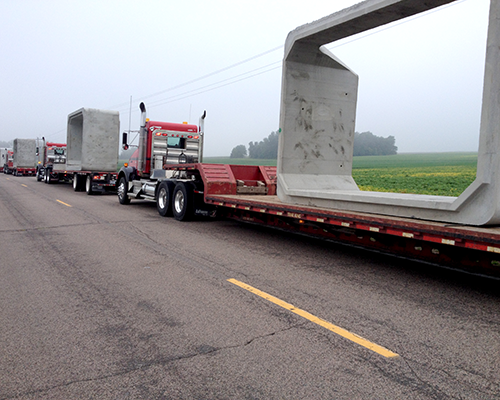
(365, 144)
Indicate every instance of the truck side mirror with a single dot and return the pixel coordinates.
(124, 141)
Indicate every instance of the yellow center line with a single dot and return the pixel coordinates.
(62, 202)
(22, 184)
(325, 324)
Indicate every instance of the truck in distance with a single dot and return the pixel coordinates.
(24, 157)
(51, 162)
(6, 160)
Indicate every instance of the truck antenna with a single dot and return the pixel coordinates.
(130, 116)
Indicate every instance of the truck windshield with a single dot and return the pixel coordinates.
(177, 143)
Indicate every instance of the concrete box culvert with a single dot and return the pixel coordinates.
(93, 140)
(24, 153)
(318, 107)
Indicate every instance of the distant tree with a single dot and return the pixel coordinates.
(5, 144)
(126, 154)
(266, 148)
(239, 151)
(367, 144)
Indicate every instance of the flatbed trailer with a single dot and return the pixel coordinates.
(91, 181)
(162, 171)
(248, 194)
(20, 171)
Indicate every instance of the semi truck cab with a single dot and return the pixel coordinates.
(6, 160)
(160, 144)
(50, 156)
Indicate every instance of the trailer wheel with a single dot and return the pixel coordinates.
(182, 204)
(77, 183)
(164, 198)
(122, 191)
(88, 185)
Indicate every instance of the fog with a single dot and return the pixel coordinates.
(420, 79)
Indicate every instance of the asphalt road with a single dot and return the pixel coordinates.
(104, 301)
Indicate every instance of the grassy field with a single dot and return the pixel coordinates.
(444, 174)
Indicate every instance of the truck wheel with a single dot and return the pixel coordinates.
(77, 183)
(88, 185)
(122, 191)
(164, 198)
(47, 176)
(182, 204)
(38, 175)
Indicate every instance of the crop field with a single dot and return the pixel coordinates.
(443, 174)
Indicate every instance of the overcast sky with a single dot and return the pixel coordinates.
(420, 81)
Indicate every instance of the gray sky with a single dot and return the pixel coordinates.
(420, 81)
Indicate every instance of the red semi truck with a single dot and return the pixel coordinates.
(160, 144)
(7, 161)
(89, 159)
(52, 168)
(51, 162)
(167, 168)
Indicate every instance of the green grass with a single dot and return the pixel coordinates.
(416, 160)
(443, 174)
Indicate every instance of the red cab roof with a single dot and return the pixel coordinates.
(56, 144)
(172, 126)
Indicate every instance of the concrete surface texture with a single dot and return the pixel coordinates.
(93, 140)
(24, 153)
(318, 104)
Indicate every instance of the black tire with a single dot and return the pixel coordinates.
(88, 185)
(77, 183)
(182, 201)
(47, 176)
(164, 198)
(122, 190)
(38, 175)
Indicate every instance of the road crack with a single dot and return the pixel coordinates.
(203, 350)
